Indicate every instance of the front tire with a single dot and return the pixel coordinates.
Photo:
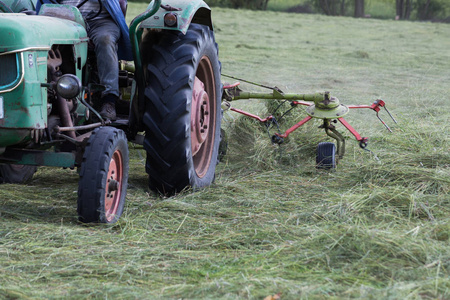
(182, 111)
(103, 177)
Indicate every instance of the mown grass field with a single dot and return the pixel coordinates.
(374, 229)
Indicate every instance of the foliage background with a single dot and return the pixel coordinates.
(384, 9)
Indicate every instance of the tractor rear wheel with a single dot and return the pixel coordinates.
(326, 156)
(103, 177)
(182, 110)
(16, 173)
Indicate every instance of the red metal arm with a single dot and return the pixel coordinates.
(351, 129)
(230, 86)
(362, 140)
(295, 127)
(301, 103)
(251, 115)
(375, 106)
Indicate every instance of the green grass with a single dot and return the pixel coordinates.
(270, 224)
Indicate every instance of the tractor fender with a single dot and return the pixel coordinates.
(187, 12)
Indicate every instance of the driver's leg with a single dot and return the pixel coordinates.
(105, 34)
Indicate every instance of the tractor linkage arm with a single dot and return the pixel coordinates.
(319, 105)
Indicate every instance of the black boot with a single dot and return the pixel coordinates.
(108, 110)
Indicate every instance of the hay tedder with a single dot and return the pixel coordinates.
(321, 106)
(171, 102)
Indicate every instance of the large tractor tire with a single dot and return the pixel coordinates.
(182, 111)
(103, 177)
(16, 173)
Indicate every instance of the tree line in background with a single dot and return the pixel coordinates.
(248, 4)
(421, 9)
(425, 9)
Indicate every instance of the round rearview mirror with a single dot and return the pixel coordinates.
(68, 86)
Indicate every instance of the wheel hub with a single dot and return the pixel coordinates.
(113, 186)
(200, 116)
(203, 117)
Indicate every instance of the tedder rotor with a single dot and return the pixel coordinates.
(320, 105)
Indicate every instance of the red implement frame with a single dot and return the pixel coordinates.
(363, 140)
(320, 106)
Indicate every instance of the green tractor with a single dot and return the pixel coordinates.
(50, 98)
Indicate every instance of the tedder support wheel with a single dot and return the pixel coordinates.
(16, 173)
(103, 177)
(182, 111)
(326, 156)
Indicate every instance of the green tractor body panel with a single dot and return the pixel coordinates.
(24, 45)
(20, 31)
(23, 103)
(185, 11)
(15, 6)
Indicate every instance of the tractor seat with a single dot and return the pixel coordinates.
(62, 11)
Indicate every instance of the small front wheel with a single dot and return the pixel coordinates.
(103, 177)
(326, 156)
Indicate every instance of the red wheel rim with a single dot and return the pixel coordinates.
(203, 114)
(113, 189)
